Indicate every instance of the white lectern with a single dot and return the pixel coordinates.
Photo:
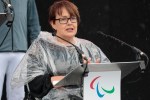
(103, 80)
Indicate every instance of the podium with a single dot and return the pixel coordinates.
(104, 79)
(2, 18)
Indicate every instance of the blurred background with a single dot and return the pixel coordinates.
(126, 20)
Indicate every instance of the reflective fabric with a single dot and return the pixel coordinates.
(47, 55)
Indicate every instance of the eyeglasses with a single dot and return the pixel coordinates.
(65, 20)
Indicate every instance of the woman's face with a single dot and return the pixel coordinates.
(65, 29)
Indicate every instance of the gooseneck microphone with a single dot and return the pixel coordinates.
(136, 50)
(81, 58)
(80, 52)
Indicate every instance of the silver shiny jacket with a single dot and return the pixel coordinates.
(47, 55)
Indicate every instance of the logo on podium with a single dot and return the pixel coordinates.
(101, 91)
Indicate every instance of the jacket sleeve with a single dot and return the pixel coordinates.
(33, 25)
(40, 86)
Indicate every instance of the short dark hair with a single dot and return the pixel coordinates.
(57, 6)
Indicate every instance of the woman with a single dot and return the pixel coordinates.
(50, 56)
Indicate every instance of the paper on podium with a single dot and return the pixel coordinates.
(72, 78)
(2, 18)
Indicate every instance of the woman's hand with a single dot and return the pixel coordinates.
(97, 60)
(89, 60)
(55, 79)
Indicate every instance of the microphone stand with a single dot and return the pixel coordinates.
(138, 52)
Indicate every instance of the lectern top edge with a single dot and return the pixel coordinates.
(125, 67)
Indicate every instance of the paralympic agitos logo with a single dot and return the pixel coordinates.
(99, 90)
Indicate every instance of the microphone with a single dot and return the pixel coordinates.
(136, 50)
(80, 52)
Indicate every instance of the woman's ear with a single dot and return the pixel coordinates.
(52, 24)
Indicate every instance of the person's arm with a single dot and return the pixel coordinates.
(38, 66)
(38, 71)
(40, 86)
(33, 25)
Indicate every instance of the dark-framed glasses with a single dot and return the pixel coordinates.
(65, 20)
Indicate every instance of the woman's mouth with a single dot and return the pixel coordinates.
(69, 29)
